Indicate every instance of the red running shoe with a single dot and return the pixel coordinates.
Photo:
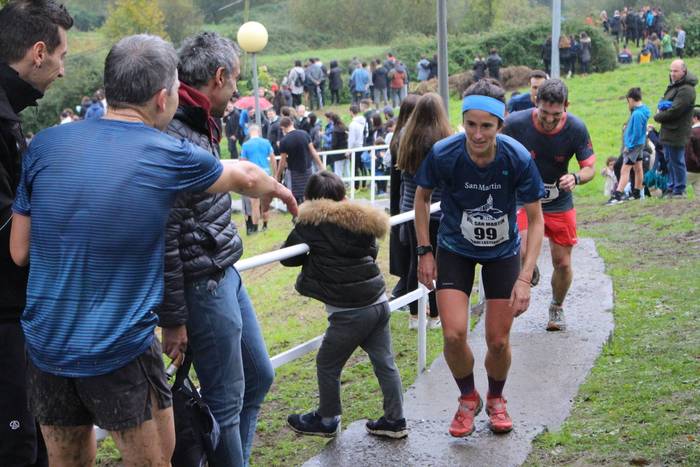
(499, 420)
(463, 422)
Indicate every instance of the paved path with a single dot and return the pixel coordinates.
(546, 372)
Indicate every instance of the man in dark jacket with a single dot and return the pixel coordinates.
(675, 115)
(205, 305)
(494, 62)
(380, 83)
(231, 129)
(335, 80)
(274, 132)
(32, 49)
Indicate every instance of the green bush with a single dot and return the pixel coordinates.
(691, 25)
(83, 77)
(86, 19)
(516, 47)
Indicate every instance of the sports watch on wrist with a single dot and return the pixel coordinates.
(424, 249)
(577, 178)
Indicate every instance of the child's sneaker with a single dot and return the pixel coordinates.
(499, 420)
(412, 322)
(389, 429)
(463, 421)
(434, 323)
(312, 424)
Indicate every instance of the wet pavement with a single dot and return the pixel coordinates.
(546, 371)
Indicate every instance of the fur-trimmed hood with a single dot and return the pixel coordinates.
(349, 215)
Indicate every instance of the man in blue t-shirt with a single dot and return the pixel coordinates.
(259, 151)
(90, 212)
(553, 137)
(527, 101)
(480, 173)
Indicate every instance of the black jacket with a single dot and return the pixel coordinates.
(335, 79)
(677, 120)
(275, 135)
(200, 239)
(15, 95)
(340, 269)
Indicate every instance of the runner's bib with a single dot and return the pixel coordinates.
(551, 192)
(485, 231)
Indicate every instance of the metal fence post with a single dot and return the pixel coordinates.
(422, 324)
(352, 175)
(372, 172)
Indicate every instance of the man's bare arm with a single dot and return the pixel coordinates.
(316, 157)
(281, 166)
(250, 180)
(567, 182)
(535, 233)
(19, 239)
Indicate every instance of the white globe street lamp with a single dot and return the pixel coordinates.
(252, 37)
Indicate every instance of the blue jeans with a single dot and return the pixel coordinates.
(676, 168)
(230, 359)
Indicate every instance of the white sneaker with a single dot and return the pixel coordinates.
(434, 323)
(412, 322)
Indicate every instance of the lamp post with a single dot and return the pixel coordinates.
(556, 33)
(443, 84)
(252, 37)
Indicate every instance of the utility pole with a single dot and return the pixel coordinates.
(556, 32)
(443, 87)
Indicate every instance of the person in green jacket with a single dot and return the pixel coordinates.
(666, 45)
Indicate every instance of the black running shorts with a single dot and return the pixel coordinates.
(115, 401)
(457, 272)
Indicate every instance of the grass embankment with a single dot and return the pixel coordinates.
(641, 403)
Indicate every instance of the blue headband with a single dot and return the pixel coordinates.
(485, 103)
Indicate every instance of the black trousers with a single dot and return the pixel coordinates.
(412, 277)
(21, 443)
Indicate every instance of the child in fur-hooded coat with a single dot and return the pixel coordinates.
(341, 271)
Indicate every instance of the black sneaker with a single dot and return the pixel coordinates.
(636, 194)
(311, 424)
(384, 427)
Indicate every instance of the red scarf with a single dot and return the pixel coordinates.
(191, 97)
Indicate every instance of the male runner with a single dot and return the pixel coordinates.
(553, 137)
(481, 173)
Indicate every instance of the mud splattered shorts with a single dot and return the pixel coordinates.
(114, 401)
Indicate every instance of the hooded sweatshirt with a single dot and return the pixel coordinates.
(636, 130)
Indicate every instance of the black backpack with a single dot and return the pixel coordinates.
(298, 82)
(196, 430)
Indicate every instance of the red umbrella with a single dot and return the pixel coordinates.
(249, 101)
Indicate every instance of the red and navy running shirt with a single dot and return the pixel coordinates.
(552, 152)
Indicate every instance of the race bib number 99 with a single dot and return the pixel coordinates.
(551, 192)
(485, 231)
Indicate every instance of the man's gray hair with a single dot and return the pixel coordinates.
(136, 68)
(204, 53)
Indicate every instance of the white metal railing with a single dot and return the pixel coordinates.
(351, 179)
(420, 294)
(372, 178)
